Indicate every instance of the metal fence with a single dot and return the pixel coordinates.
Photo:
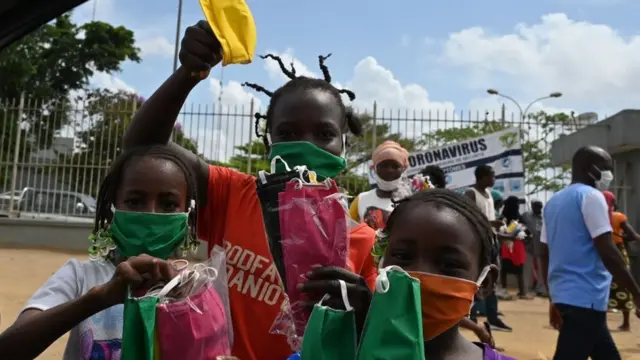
(61, 151)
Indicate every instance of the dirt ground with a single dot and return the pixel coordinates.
(22, 271)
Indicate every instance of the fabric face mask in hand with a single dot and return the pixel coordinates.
(233, 24)
(303, 153)
(154, 234)
(445, 300)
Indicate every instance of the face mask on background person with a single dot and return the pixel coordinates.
(604, 180)
(387, 185)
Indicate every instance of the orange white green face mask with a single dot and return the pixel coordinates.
(445, 300)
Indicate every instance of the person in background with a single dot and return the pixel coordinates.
(306, 123)
(619, 297)
(480, 195)
(579, 259)
(532, 219)
(512, 250)
(151, 189)
(436, 176)
(374, 206)
(442, 239)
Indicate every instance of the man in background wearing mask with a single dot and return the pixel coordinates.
(374, 206)
(532, 219)
(579, 258)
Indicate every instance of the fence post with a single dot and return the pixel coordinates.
(16, 155)
(251, 110)
(375, 127)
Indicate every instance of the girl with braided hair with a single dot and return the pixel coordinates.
(442, 239)
(306, 123)
(144, 213)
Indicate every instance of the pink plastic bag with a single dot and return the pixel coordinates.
(195, 328)
(313, 224)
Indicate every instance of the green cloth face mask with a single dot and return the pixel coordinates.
(304, 153)
(154, 234)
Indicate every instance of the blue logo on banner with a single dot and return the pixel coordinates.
(506, 163)
(515, 185)
(499, 186)
(448, 179)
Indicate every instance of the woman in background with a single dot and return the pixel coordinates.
(619, 298)
(374, 206)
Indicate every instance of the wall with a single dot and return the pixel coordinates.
(55, 235)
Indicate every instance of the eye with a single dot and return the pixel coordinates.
(452, 267)
(328, 134)
(286, 134)
(402, 256)
(169, 206)
(134, 203)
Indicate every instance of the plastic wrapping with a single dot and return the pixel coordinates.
(187, 318)
(314, 230)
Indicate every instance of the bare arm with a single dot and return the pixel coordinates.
(471, 195)
(629, 233)
(154, 121)
(545, 267)
(34, 330)
(614, 262)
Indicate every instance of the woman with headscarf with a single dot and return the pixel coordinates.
(374, 206)
(512, 250)
(619, 298)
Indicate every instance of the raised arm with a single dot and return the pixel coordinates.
(155, 120)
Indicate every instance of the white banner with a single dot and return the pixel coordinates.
(501, 150)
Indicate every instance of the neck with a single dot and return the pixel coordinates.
(479, 187)
(586, 180)
(383, 194)
(447, 345)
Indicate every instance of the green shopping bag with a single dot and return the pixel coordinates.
(138, 332)
(393, 328)
(330, 334)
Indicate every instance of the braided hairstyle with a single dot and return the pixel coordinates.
(298, 83)
(111, 182)
(458, 203)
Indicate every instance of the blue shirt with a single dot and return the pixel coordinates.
(572, 218)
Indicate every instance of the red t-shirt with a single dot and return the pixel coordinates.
(233, 219)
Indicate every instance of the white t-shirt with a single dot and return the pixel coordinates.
(373, 209)
(485, 203)
(98, 337)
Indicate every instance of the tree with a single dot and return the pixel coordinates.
(50, 63)
(536, 135)
(106, 117)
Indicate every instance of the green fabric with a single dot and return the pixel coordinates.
(154, 234)
(298, 153)
(330, 334)
(393, 329)
(138, 331)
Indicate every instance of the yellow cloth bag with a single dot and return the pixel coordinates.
(233, 24)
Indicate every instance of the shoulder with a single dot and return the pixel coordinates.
(362, 236)
(220, 174)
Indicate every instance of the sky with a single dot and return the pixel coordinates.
(421, 56)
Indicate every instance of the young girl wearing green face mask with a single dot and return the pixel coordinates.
(143, 205)
(306, 123)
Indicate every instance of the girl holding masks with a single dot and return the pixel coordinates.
(442, 239)
(374, 206)
(144, 207)
(306, 123)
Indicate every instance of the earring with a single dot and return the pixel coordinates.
(101, 244)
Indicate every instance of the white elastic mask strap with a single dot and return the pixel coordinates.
(483, 275)
(113, 209)
(268, 135)
(382, 281)
(344, 146)
(274, 161)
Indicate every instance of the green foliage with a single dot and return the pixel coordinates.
(538, 131)
(47, 65)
